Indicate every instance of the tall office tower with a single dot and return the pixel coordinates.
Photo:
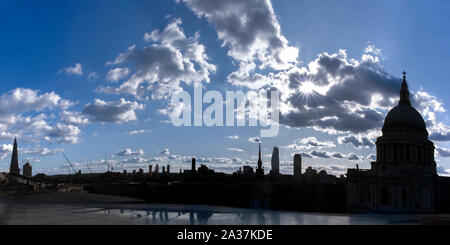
(193, 165)
(297, 165)
(14, 167)
(163, 169)
(157, 169)
(150, 169)
(275, 162)
(168, 168)
(27, 170)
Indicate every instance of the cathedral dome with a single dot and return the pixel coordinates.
(404, 115)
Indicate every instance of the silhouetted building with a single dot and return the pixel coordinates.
(248, 170)
(141, 171)
(168, 168)
(163, 169)
(238, 172)
(297, 166)
(157, 169)
(403, 176)
(204, 170)
(150, 169)
(275, 161)
(27, 170)
(310, 174)
(259, 169)
(193, 165)
(14, 167)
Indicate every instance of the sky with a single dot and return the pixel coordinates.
(94, 79)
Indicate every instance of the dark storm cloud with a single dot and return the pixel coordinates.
(321, 154)
(347, 105)
(357, 142)
(116, 111)
(443, 152)
(437, 136)
(327, 155)
(372, 157)
(248, 28)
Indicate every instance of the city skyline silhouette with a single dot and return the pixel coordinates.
(102, 95)
(205, 112)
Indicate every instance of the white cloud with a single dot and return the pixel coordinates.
(308, 143)
(135, 160)
(73, 118)
(117, 74)
(64, 133)
(235, 149)
(40, 151)
(233, 137)
(140, 131)
(21, 100)
(5, 150)
(92, 76)
(161, 67)
(129, 152)
(165, 152)
(312, 141)
(371, 49)
(14, 122)
(332, 169)
(77, 69)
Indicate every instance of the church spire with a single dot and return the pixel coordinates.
(259, 169)
(404, 92)
(259, 156)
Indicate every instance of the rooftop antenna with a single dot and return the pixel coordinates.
(67, 159)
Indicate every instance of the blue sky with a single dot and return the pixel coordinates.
(58, 58)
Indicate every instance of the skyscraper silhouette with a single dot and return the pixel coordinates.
(193, 165)
(275, 162)
(27, 170)
(297, 166)
(14, 167)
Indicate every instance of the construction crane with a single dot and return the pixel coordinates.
(67, 159)
(90, 171)
(107, 163)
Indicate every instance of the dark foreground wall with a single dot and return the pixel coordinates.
(277, 196)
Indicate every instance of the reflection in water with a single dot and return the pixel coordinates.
(209, 215)
(161, 214)
(204, 215)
